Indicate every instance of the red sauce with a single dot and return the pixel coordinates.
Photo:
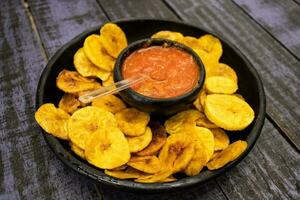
(169, 71)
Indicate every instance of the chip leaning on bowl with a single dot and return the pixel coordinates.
(130, 144)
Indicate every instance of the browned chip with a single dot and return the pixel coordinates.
(69, 103)
(148, 164)
(73, 82)
(229, 154)
(159, 138)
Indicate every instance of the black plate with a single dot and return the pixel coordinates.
(250, 86)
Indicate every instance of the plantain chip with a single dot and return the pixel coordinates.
(198, 105)
(73, 82)
(161, 176)
(132, 122)
(198, 160)
(113, 39)
(96, 53)
(223, 70)
(121, 168)
(69, 103)
(128, 173)
(177, 152)
(159, 138)
(77, 150)
(220, 85)
(148, 164)
(109, 81)
(53, 120)
(168, 180)
(206, 138)
(170, 35)
(228, 111)
(110, 103)
(107, 148)
(204, 122)
(229, 154)
(221, 139)
(182, 121)
(191, 42)
(138, 143)
(211, 45)
(86, 68)
(88, 120)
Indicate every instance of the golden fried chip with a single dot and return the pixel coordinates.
(204, 122)
(229, 154)
(138, 143)
(191, 42)
(206, 138)
(86, 68)
(69, 103)
(96, 53)
(202, 97)
(221, 139)
(148, 164)
(211, 45)
(228, 111)
(53, 120)
(73, 82)
(77, 150)
(223, 70)
(159, 138)
(170, 35)
(113, 39)
(88, 120)
(198, 160)
(128, 173)
(220, 85)
(168, 180)
(121, 168)
(107, 148)
(161, 176)
(198, 105)
(182, 121)
(177, 152)
(110, 103)
(132, 122)
(109, 81)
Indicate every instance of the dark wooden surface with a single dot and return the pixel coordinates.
(268, 32)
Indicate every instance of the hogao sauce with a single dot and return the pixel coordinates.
(168, 71)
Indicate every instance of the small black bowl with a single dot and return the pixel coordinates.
(158, 106)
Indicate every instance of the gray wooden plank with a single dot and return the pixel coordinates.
(270, 171)
(116, 9)
(279, 70)
(28, 168)
(59, 21)
(279, 18)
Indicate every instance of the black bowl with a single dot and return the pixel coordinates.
(250, 86)
(166, 106)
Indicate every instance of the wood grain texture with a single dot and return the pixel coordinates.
(278, 69)
(116, 9)
(59, 21)
(270, 171)
(279, 18)
(28, 169)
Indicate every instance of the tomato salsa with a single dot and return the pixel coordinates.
(168, 71)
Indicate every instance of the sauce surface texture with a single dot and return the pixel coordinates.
(169, 71)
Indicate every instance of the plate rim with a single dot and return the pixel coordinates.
(76, 164)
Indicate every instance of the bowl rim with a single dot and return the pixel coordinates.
(76, 164)
(139, 44)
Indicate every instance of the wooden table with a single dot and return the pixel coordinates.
(267, 31)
